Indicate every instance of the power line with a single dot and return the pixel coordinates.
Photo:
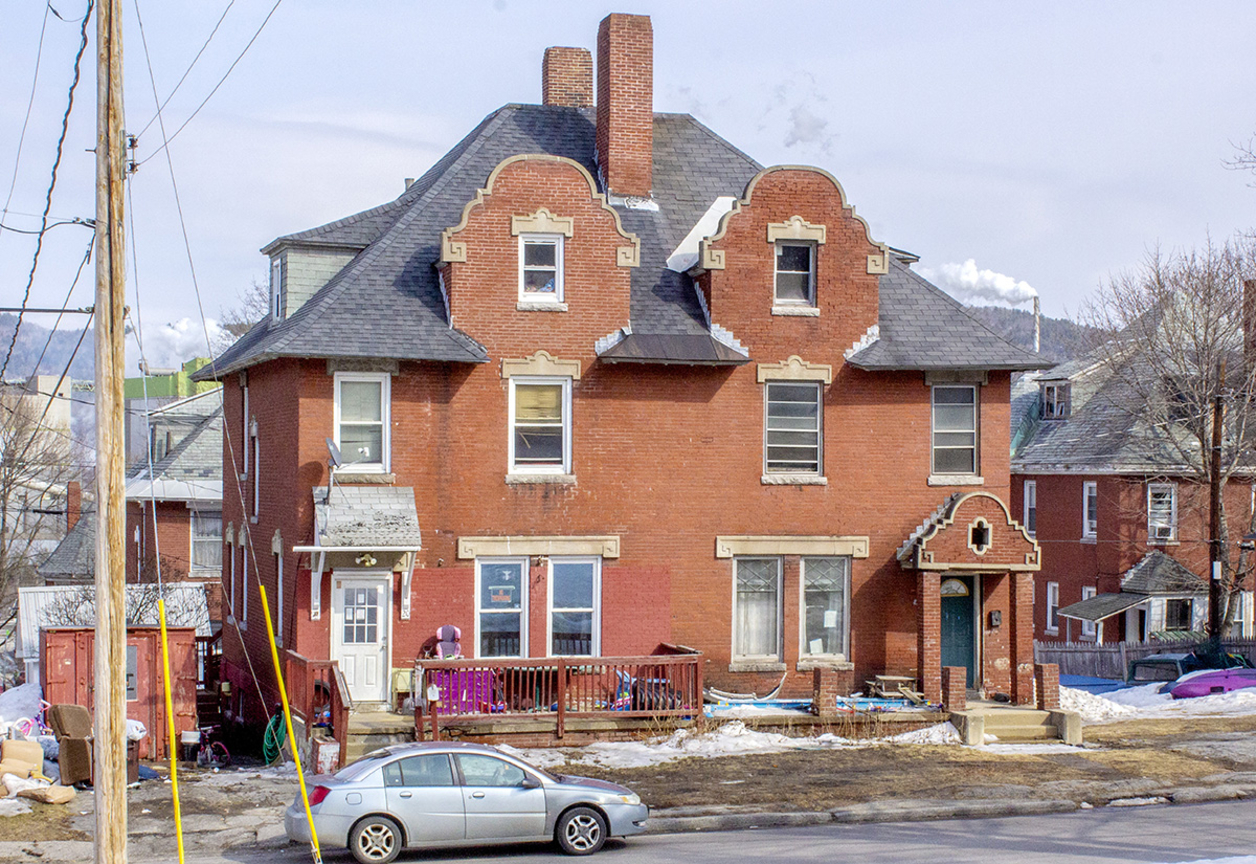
(188, 71)
(17, 158)
(43, 226)
(90, 223)
(166, 140)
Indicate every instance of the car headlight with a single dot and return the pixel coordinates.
(632, 798)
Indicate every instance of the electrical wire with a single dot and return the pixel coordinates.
(65, 305)
(43, 225)
(76, 221)
(188, 71)
(165, 142)
(21, 139)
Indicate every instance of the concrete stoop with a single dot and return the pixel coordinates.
(371, 730)
(1017, 725)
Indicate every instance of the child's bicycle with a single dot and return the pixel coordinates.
(212, 753)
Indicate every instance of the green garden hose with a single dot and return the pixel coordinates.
(273, 740)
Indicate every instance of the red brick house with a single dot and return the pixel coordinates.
(1124, 531)
(599, 381)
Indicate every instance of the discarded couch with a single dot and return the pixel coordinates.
(72, 724)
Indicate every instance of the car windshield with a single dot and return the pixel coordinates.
(363, 766)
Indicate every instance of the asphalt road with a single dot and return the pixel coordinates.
(1116, 835)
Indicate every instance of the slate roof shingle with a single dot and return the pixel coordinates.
(367, 517)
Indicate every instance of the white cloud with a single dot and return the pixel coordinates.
(167, 346)
(979, 287)
(807, 128)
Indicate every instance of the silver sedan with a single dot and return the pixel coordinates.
(438, 794)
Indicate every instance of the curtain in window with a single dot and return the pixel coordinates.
(207, 541)
(539, 424)
(757, 618)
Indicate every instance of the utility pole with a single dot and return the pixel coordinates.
(110, 649)
(1215, 547)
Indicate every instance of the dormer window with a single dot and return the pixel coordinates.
(1056, 401)
(276, 288)
(541, 268)
(795, 274)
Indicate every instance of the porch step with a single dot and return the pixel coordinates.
(1007, 724)
(375, 729)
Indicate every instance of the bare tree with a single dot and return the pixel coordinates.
(37, 459)
(1244, 157)
(1177, 321)
(252, 306)
(77, 608)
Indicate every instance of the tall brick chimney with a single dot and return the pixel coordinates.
(73, 504)
(567, 77)
(625, 103)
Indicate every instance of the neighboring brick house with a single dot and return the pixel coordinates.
(599, 381)
(1124, 533)
(174, 512)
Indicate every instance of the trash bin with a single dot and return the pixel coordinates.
(189, 741)
(132, 761)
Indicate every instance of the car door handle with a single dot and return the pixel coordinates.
(405, 794)
(477, 794)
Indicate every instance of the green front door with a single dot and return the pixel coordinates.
(957, 623)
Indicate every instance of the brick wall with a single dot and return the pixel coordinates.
(567, 77)
(625, 103)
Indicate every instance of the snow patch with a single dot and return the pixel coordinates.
(1147, 702)
(14, 806)
(942, 733)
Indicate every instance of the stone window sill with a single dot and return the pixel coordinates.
(253, 519)
(366, 478)
(956, 480)
(756, 666)
(1089, 540)
(797, 311)
(1164, 543)
(793, 480)
(540, 306)
(541, 479)
(808, 664)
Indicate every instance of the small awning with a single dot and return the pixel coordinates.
(686, 350)
(375, 518)
(1102, 606)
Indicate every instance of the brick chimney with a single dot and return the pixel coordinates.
(567, 77)
(1249, 325)
(625, 103)
(73, 504)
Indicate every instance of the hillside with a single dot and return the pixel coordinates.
(1061, 339)
(30, 344)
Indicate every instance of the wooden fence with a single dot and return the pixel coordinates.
(657, 685)
(1112, 659)
(318, 695)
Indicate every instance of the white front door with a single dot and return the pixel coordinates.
(359, 639)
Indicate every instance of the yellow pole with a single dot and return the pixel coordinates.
(174, 752)
(287, 719)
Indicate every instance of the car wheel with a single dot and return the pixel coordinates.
(581, 831)
(375, 840)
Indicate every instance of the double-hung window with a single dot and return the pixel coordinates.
(540, 425)
(1090, 510)
(575, 588)
(954, 429)
(825, 607)
(501, 586)
(541, 268)
(362, 425)
(1053, 607)
(207, 544)
(1161, 512)
(1088, 627)
(757, 609)
(1178, 614)
(1056, 401)
(1031, 507)
(793, 427)
(276, 288)
(795, 274)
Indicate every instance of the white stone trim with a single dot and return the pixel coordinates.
(797, 311)
(542, 222)
(604, 545)
(871, 335)
(956, 480)
(540, 479)
(540, 306)
(796, 228)
(782, 544)
(541, 364)
(794, 369)
(793, 480)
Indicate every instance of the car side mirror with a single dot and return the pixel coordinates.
(530, 782)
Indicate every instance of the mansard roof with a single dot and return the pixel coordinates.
(387, 301)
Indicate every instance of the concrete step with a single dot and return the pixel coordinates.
(1010, 734)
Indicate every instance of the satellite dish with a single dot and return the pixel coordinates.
(334, 451)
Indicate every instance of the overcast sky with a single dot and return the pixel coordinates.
(1051, 144)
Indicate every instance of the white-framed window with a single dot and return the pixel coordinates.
(1053, 607)
(255, 446)
(276, 288)
(1057, 400)
(207, 544)
(279, 599)
(575, 604)
(541, 267)
(1161, 512)
(1179, 614)
(363, 400)
(1088, 627)
(540, 425)
(1030, 520)
(501, 607)
(757, 609)
(244, 419)
(795, 282)
(793, 427)
(1090, 510)
(244, 579)
(954, 429)
(825, 615)
(231, 573)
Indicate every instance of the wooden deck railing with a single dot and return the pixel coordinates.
(651, 686)
(318, 695)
